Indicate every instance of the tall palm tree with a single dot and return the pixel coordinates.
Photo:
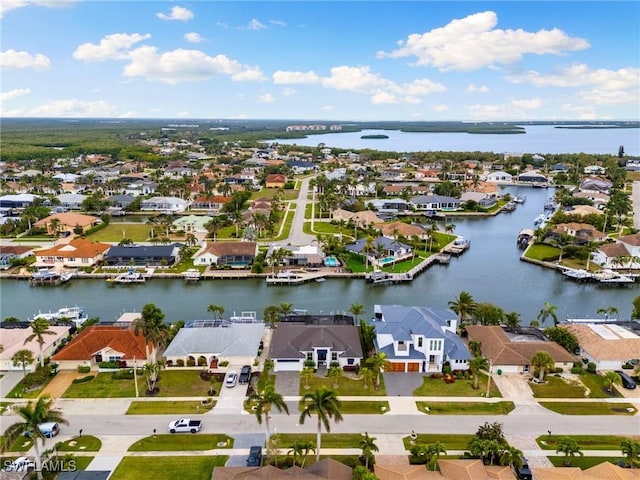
(22, 358)
(216, 310)
(368, 446)
(151, 372)
(285, 308)
(325, 405)
(271, 314)
(570, 448)
(31, 415)
(434, 451)
(631, 450)
(464, 305)
(368, 335)
(152, 327)
(264, 401)
(542, 361)
(366, 374)
(512, 319)
(356, 309)
(512, 456)
(39, 328)
(548, 311)
(477, 364)
(377, 363)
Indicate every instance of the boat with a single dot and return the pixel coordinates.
(509, 206)
(550, 204)
(577, 274)
(191, 275)
(45, 274)
(610, 277)
(524, 237)
(540, 220)
(131, 276)
(321, 279)
(65, 277)
(75, 315)
(520, 198)
(378, 277)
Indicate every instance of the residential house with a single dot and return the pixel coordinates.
(140, 188)
(18, 201)
(192, 223)
(142, 255)
(418, 339)
(236, 343)
(104, 343)
(448, 469)
(325, 469)
(512, 352)
(599, 199)
(275, 180)
(292, 344)
(13, 340)
(164, 204)
(389, 205)
(383, 249)
(299, 167)
(68, 222)
(227, 254)
(435, 202)
(623, 253)
(71, 201)
(79, 252)
(396, 229)
(363, 218)
(608, 345)
(594, 170)
(9, 252)
(602, 471)
(399, 190)
(583, 232)
(212, 203)
(532, 177)
(301, 256)
(482, 199)
(499, 177)
(595, 184)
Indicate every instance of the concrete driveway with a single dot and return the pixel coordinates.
(231, 399)
(287, 384)
(401, 384)
(8, 381)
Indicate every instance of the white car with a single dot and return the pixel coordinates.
(20, 464)
(231, 379)
(185, 425)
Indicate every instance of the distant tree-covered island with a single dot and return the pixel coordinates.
(374, 137)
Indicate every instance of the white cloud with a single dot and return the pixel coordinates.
(177, 13)
(193, 37)
(287, 91)
(440, 108)
(116, 46)
(381, 97)
(530, 104)
(255, 24)
(279, 23)
(11, 94)
(582, 112)
(266, 98)
(488, 112)
(74, 108)
(326, 108)
(12, 59)
(8, 5)
(473, 88)
(283, 77)
(182, 65)
(473, 42)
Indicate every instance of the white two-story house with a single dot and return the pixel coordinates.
(419, 339)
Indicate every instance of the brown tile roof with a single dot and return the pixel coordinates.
(76, 248)
(495, 344)
(463, 469)
(14, 249)
(13, 340)
(96, 337)
(633, 239)
(404, 472)
(326, 469)
(68, 218)
(602, 471)
(609, 471)
(399, 228)
(212, 199)
(230, 248)
(276, 178)
(614, 250)
(621, 345)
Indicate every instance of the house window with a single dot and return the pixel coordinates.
(310, 356)
(419, 341)
(115, 358)
(334, 356)
(350, 361)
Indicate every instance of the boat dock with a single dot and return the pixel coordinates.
(294, 277)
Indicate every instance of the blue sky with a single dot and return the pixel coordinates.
(330, 60)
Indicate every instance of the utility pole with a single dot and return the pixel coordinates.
(489, 380)
(135, 377)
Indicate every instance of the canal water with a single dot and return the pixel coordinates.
(490, 270)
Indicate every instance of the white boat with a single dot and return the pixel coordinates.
(321, 279)
(75, 315)
(520, 198)
(577, 274)
(131, 276)
(65, 277)
(191, 275)
(45, 274)
(540, 220)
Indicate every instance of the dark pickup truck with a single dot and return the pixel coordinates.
(245, 374)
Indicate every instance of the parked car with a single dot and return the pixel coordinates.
(524, 472)
(245, 374)
(48, 429)
(20, 464)
(185, 425)
(231, 379)
(627, 381)
(255, 456)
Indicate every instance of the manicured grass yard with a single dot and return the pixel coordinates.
(346, 386)
(22, 444)
(556, 387)
(595, 383)
(466, 408)
(364, 407)
(172, 383)
(168, 407)
(167, 468)
(436, 387)
(329, 440)
(541, 252)
(589, 408)
(450, 441)
(181, 442)
(586, 442)
(138, 232)
(86, 443)
(582, 462)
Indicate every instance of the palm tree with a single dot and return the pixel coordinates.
(368, 335)
(32, 415)
(542, 361)
(367, 375)
(476, 364)
(307, 373)
(40, 328)
(434, 451)
(325, 404)
(377, 363)
(22, 358)
(368, 447)
(277, 256)
(611, 378)
(152, 327)
(300, 449)
(356, 309)
(607, 311)
(335, 373)
(264, 401)
(570, 448)
(631, 450)
(216, 310)
(512, 456)
(548, 311)
(561, 242)
(285, 308)
(271, 314)
(464, 306)
(512, 319)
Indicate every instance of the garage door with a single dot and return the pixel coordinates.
(395, 367)
(413, 367)
(287, 366)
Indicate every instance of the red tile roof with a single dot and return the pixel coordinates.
(76, 248)
(96, 337)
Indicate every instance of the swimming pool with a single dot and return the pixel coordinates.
(331, 262)
(386, 260)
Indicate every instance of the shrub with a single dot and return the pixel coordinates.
(309, 364)
(436, 376)
(224, 363)
(591, 367)
(180, 362)
(577, 370)
(88, 378)
(202, 361)
(559, 370)
(446, 369)
(627, 366)
(123, 374)
(84, 368)
(334, 365)
(108, 364)
(191, 362)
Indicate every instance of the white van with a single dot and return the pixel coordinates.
(49, 429)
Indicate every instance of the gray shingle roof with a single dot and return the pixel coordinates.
(289, 340)
(234, 340)
(402, 322)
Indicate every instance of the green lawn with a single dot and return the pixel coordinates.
(556, 387)
(436, 387)
(329, 440)
(172, 383)
(589, 408)
(595, 383)
(364, 407)
(87, 443)
(288, 222)
(582, 462)
(168, 407)
(586, 442)
(466, 408)
(450, 441)
(167, 468)
(346, 386)
(115, 232)
(181, 442)
(542, 252)
(22, 444)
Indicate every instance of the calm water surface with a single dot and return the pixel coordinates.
(543, 139)
(490, 270)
